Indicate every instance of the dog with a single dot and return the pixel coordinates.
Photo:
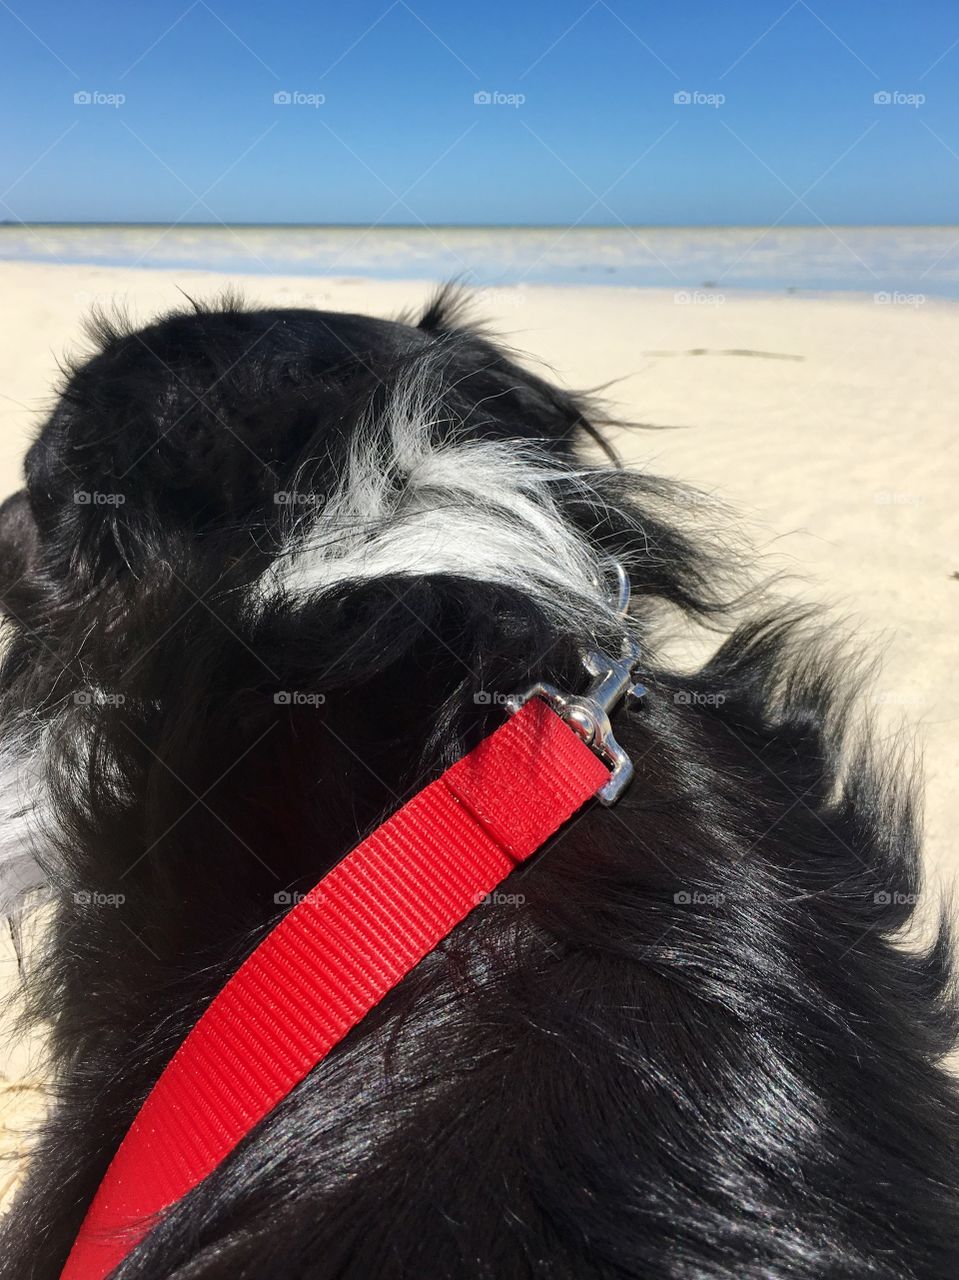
(270, 573)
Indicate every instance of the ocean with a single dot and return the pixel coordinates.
(922, 261)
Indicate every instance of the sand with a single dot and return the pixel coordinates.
(827, 421)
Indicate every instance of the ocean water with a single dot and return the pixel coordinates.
(896, 260)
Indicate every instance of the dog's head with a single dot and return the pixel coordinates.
(222, 457)
(343, 538)
(184, 442)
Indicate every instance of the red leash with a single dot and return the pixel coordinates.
(346, 944)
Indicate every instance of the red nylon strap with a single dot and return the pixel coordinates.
(330, 960)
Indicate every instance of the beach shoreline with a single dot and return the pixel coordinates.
(781, 259)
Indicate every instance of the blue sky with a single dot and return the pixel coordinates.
(783, 124)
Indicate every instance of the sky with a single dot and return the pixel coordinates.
(508, 112)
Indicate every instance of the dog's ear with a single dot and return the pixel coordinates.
(19, 552)
(490, 393)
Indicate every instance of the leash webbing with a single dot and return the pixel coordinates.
(331, 959)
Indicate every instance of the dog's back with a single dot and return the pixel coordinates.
(682, 1043)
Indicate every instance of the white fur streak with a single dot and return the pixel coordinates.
(21, 805)
(481, 509)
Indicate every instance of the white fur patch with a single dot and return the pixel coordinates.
(21, 808)
(485, 510)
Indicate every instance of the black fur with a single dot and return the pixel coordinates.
(693, 1050)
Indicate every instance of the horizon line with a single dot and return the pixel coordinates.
(488, 226)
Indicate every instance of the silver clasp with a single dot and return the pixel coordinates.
(587, 714)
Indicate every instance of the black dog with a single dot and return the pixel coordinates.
(271, 572)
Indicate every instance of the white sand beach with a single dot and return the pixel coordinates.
(827, 421)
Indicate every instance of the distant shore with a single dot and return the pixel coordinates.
(904, 260)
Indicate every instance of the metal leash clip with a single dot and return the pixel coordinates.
(587, 714)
